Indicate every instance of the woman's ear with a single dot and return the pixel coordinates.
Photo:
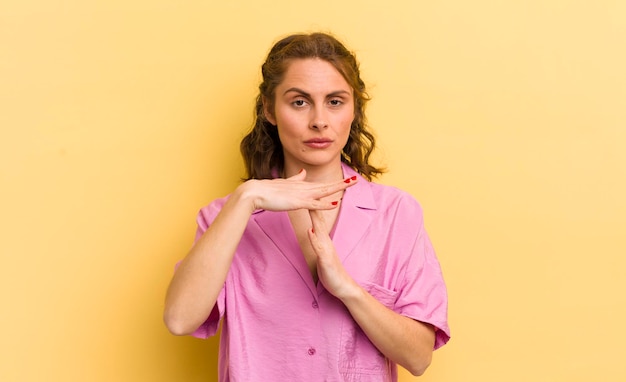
(269, 114)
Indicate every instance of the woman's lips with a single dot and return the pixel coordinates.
(318, 143)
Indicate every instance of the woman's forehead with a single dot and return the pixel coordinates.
(315, 74)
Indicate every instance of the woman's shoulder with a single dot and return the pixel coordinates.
(397, 206)
(387, 194)
(209, 212)
(382, 194)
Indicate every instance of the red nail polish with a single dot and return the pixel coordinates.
(347, 180)
(334, 203)
(353, 178)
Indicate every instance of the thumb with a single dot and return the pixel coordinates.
(299, 176)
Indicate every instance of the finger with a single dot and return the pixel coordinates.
(314, 205)
(299, 176)
(315, 238)
(318, 221)
(331, 188)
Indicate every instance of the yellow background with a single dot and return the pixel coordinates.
(120, 119)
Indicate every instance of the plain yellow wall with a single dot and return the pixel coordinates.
(120, 119)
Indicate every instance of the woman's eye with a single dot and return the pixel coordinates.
(335, 102)
(299, 103)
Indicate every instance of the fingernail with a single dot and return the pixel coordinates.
(347, 180)
(334, 203)
(353, 178)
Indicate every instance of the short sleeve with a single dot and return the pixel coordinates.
(204, 219)
(422, 291)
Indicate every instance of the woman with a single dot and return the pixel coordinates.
(318, 273)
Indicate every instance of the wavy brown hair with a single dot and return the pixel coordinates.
(261, 148)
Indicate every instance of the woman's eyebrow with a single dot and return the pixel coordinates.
(305, 94)
(297, 90)
(340, 93)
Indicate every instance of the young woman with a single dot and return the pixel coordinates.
(317, 273)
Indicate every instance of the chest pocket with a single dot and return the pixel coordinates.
(359, 359)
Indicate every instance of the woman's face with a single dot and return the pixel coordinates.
(313, 111)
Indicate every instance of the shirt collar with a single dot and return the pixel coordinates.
(360, 195)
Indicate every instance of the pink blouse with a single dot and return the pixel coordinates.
(279, 325)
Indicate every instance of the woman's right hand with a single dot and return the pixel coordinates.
(194, 289)
(292, 193)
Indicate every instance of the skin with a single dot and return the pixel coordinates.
(313, 110)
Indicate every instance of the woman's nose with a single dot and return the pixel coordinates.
(319, 119)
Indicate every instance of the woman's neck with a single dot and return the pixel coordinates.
(317, 173)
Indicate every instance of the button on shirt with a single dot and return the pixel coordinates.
(279, 325)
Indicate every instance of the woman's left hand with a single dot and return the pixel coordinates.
(405, 341)
(330, 271)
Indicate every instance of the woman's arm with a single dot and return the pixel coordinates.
(405, 341)
(200, 276)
